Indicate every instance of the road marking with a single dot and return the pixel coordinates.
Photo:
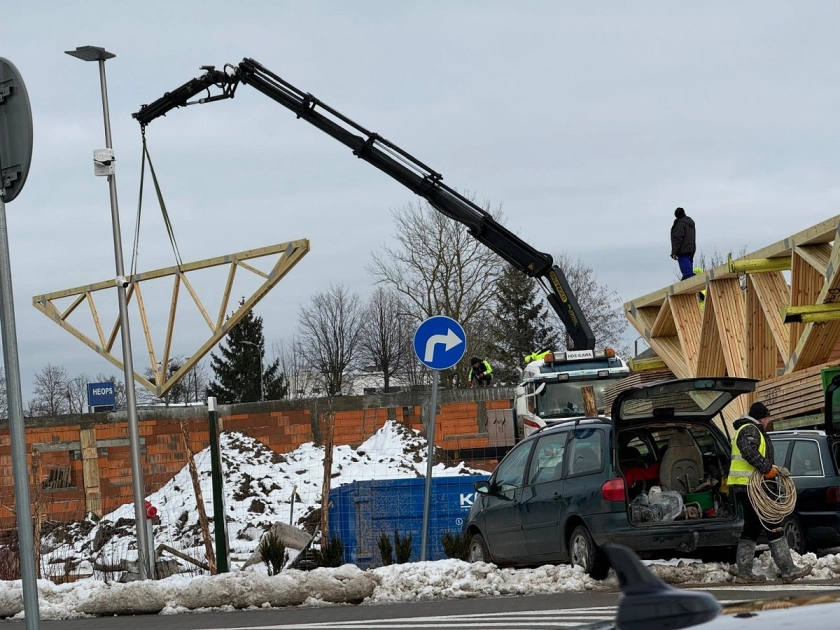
(520, 620)
(766, 587)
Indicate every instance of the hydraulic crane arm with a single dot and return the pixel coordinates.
(399, 165)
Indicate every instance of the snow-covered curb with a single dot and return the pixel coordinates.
(420, 581)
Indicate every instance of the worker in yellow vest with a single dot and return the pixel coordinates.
(698, 271)
(481, 373)
(536, 356)
(752, 450)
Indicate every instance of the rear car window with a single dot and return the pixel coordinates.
(586, 452)
(780, 451)
(805, 459)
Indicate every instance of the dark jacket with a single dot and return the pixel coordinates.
(683, 237)
(748, 442)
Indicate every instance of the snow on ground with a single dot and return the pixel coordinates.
(258, 485)
(420, 581)
(258, 489)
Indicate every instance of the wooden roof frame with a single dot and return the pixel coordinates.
(740, 329)
(288, 255)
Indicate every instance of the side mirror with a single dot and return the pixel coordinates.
(482, 487)
(520, 391)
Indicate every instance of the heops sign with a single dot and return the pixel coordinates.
(101, 394)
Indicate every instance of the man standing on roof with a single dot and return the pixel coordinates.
(752, 450)
(683, 242)
(480, 372)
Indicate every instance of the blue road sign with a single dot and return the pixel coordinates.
(101, 394)
(440, 342)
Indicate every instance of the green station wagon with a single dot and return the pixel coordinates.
(649, 478)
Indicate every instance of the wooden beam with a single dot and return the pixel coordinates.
(805, 284)
(664, 326)
(761, 351)
(729, 312)
(773, 294)
(818, 340)
(710, 361)
(668, 349)
(685, 310)
(816, 313)
(816, 255)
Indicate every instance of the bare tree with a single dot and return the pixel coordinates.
(382, 342)
(50, 391)
(295, 366)
(329, 328)
(600, 305)
(77, 393)
(438, 268)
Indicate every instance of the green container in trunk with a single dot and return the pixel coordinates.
(705, 499)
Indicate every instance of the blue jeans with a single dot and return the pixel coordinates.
(686, 266)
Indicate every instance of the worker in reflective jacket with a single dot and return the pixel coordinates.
(536, 356)
(480, 372)
(752, 450)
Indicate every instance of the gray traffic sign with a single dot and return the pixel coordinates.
(15, 131)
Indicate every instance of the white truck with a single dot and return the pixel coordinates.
(551, 387)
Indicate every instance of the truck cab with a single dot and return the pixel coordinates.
(550, 390)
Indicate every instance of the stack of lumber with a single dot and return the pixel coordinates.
(642, 377)
(794, 394)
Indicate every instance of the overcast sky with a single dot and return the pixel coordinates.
(588, 122)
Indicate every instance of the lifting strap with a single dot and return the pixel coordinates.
(169, 230)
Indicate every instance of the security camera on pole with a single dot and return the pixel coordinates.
(439, 343)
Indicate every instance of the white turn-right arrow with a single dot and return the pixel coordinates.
(450, 339)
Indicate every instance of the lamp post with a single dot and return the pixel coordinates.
(104, 165)
(260, 350)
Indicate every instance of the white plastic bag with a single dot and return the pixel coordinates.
(671, 502)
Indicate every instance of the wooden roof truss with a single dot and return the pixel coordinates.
(288, 255)
(740, 328)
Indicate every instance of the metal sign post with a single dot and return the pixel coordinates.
(105, 165)
(15, 157)
(439, 343)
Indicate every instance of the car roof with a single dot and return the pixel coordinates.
(791, 432)
(565, 425)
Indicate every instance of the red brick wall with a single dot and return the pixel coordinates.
(457, 427)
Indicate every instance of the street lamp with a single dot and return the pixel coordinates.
(104, 165)
(260, 349)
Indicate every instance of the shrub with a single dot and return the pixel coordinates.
(456, 545)
(386, 549)
(403, 546)
(273, 552)
(331, 553)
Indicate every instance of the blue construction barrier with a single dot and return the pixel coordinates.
(360, 511)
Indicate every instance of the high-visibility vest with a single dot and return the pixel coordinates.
(488, 369)
(536, 356)
(740, 470)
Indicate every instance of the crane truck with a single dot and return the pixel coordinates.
(568, 369)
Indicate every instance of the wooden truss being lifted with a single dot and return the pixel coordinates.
(752, 323)
(289, 253)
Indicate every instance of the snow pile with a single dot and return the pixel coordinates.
(454, 579)
(258, 487)
(420, 581)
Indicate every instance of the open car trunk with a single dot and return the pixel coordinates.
(673, 457)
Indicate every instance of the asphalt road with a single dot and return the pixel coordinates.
(539, 612)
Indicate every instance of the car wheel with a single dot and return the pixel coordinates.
(583, 552)
(795, 538)
(478, 549)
